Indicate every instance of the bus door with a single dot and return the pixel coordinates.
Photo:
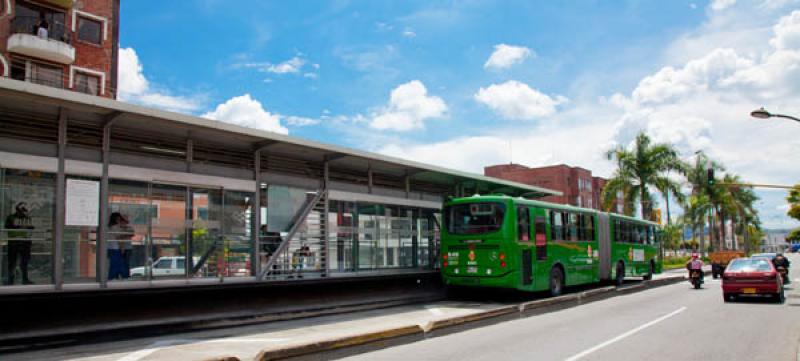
(524, 242)
(540, 235)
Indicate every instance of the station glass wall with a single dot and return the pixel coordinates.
(152, 227)
(27, 206)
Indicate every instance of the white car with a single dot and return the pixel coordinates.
(165, 267)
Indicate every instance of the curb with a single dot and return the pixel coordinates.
(346, 346)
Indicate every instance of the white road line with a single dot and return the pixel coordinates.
(626, 334)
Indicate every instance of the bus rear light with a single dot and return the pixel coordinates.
(503, 264)
(444, 257)
(445, 263)
(502, 256)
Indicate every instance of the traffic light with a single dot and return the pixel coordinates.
(710, 179)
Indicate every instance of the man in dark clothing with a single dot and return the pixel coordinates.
(18, 226)
(781, 261)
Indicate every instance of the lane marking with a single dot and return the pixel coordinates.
(625, 335)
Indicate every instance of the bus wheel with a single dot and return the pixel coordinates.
(620, 274)
(556, 281)
(650, 271)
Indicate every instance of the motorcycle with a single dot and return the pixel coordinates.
(696, 278)
(784, 274)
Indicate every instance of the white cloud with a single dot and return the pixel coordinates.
(409, 107)
(301, 121)
(292, 65)
(515, 100)
(505, 56)
(247, 112)
(704, 104)
(311, 75)
(409, 33)
(719, 5)
(787, 33)
(133, 87)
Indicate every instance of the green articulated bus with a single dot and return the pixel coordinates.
(500, 241)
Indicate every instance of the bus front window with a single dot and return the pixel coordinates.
(475, 218)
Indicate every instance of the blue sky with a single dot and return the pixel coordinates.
(465, 84)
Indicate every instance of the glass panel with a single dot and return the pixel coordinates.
(27, 205)
(206, 236)
(168, 233)
(400, 246)
(86, 83)
(89, 30)
(428, 235)
(368, 236)
(47, 75)
(342, 235)
(475, 218)
(237, 233)
(79, 248)
(128, 229)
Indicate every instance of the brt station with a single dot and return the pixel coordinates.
(100, 195)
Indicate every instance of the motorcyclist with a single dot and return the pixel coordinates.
(781, 261)
(695, 264)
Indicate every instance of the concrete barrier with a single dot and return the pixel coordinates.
(595, 294)
(548, 304)
(459, 323)
(345, 346)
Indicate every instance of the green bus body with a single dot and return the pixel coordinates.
(591, 246)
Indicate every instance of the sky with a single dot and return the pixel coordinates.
(467, 84)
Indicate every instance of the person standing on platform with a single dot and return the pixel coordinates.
(119, 247)
(19, 228)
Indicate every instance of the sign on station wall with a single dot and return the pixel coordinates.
(83, 202)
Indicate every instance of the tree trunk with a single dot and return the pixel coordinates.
(723, 241)
(643, 202)
(666, 196)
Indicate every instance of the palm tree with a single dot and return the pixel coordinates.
(743, 201)
(697, 176)
(694, 213)
(643, 167)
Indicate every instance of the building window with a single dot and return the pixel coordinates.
(90, 30)
(39, 73)
(86, 83)
(30, 18)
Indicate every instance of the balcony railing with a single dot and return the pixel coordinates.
(28, 25)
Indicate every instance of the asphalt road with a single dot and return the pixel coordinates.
(667, 323)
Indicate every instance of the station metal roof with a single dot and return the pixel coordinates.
(138, 122)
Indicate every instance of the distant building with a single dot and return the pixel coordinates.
(68, 44)
(577, 185)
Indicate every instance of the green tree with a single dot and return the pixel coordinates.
(794, 211)
(697, 176)
(639, 169)
(694, 214)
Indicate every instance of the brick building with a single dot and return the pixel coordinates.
(578, 186)
(69, 44)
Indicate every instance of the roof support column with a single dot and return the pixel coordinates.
(61, 180)
(407, 180)
(255, 264)
(102, 227)
(324, 219)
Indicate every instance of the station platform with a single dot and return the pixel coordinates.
(41, 319)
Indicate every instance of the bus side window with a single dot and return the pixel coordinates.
(573, 226)
(588, 226)
(540, 226)
(523, 228)
(556, 226)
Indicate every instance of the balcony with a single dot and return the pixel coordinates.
(55, 47)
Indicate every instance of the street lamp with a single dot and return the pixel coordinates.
(762, 113)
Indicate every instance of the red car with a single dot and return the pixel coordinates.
(751, 277)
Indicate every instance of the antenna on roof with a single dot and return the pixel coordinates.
(510, 153)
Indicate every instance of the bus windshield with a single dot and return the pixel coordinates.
(474, 218)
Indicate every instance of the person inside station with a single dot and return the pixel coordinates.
(19, 228)
(42, 27)
(119, 246)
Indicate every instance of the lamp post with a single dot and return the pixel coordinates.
(762, 113)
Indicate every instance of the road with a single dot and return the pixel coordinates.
(667, 323)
